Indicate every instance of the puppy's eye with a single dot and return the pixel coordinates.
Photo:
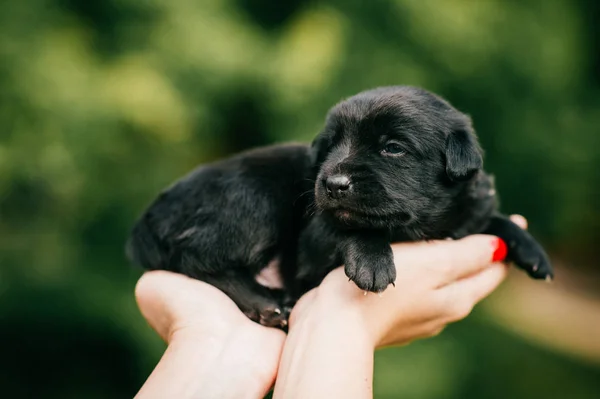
(393, 148)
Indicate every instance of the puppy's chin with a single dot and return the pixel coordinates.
(358, 212)
(365, 219)
(356, 220)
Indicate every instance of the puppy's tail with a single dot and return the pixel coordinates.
(144, 248)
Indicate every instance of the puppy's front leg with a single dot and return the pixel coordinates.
(523, 249)
(369, 260)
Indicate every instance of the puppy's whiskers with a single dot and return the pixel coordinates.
(302, 195)
(310, 210)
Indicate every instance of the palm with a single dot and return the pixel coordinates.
(178, 307)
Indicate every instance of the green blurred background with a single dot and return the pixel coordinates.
(104, 102)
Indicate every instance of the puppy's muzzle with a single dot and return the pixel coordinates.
(337, 186)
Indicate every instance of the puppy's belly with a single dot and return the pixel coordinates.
(270, 276)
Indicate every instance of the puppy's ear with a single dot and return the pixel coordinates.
(320, 148)
(463, 155)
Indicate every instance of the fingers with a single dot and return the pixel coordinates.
(170, 300)
(149, 294)
(150, 288)
(455, 260)
(460, 297)
(483, 284)
(160, 288)
(171, 287)
(449, 261)
(156, 281)
(519, 221)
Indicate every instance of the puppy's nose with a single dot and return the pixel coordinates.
(337, 185)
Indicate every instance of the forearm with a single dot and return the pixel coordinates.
(193, 369)
(326, 357)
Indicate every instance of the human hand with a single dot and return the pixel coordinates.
(214, 351)
(335, 328)
(437, 283)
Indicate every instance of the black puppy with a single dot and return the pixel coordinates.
(392, 164)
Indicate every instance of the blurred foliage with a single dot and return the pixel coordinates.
(104, 102)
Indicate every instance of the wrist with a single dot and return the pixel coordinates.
(334, 313)
(235, 365)
(209, 366)
(176, 374)
(323, 339)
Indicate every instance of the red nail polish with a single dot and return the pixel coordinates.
(499, 251)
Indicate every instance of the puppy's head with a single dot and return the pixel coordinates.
(391, 157)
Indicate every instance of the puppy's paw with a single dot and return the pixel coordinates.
(275, 317)
(271, 316)
(523, 250)
(528, 255)
(371, 273)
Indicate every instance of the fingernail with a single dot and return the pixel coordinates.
(500, 250)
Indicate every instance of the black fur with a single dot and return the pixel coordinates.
(391, 164)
